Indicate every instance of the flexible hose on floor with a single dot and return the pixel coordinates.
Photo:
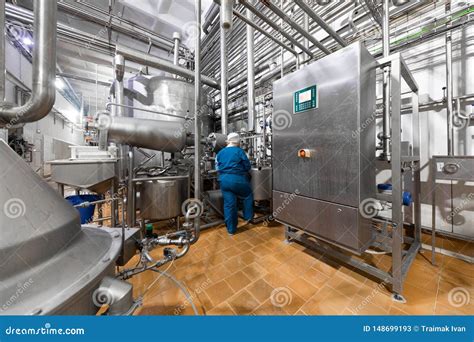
(181, 287)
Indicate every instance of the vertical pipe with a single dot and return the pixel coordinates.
(282, 64)
(119, 65)
(250, 73)
(449, 87)
(177, 39)
(131, 190)
(386, 136)
(306, 28)
(224, 74)
(2, 51)
(226, 14)
(197, 117)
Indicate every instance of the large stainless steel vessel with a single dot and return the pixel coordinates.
(161, 199)
(261, 183)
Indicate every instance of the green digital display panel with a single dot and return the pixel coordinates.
(306, 99)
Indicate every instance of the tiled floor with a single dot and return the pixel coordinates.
(256, 273)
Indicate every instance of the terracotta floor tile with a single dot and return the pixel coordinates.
(268, 309)
(223, 309)
(238, 281)
(219, 292)
(254, 271)
(261, 290)
(278, 279)
(303, 288)
(243, 303)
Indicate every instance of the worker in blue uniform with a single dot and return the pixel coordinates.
(233, 167)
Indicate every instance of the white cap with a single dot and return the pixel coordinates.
(233, 138)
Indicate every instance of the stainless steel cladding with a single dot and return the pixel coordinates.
(166, 95)
(44, 250)
(158, 135)
(162, 199)
(261, 183)
(324, 147)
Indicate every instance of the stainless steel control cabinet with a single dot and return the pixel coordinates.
(324, 147)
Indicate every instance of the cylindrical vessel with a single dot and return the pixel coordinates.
(153, 134)
(161, 199)
(261, 183)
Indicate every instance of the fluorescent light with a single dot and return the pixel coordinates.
(59, 84)
(27, 41)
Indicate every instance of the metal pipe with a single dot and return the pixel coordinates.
(386, 122)
(43, 93)
(155, 62)
(177, 39)
(167, 136)
(224, 74)
(2, 51)
(213, 12)
(297, 27)
(449, 87)
(250, 74)
(309, 11)
(275, 27)
(226, 14)
(197, 121)
(265, 33)
(131, 190)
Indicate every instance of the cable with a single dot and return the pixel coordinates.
(181, 287)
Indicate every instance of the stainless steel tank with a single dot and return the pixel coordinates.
(161, 199)
(261, 183)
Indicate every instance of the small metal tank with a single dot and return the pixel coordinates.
(161, 199)
(261, 183)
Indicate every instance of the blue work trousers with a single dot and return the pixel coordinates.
(234, 188)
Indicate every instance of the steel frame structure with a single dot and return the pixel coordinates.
(393, 241)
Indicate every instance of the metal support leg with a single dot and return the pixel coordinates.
(397, 182)
(433, 211)
(113, 205)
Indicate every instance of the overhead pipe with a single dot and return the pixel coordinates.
(43, 94)
(224, 26)
(226, 14)
(265, 33)
(294, 25)
(158, 63)
(177, 40)
(386, 123)
(197, 119)
(449, 87)
(2, 51)
(275, 27)
(309, 11)
(250, 74)
(213, 13)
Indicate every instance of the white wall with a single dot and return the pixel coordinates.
(42, 133)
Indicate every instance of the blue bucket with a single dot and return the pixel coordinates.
(88, 212)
